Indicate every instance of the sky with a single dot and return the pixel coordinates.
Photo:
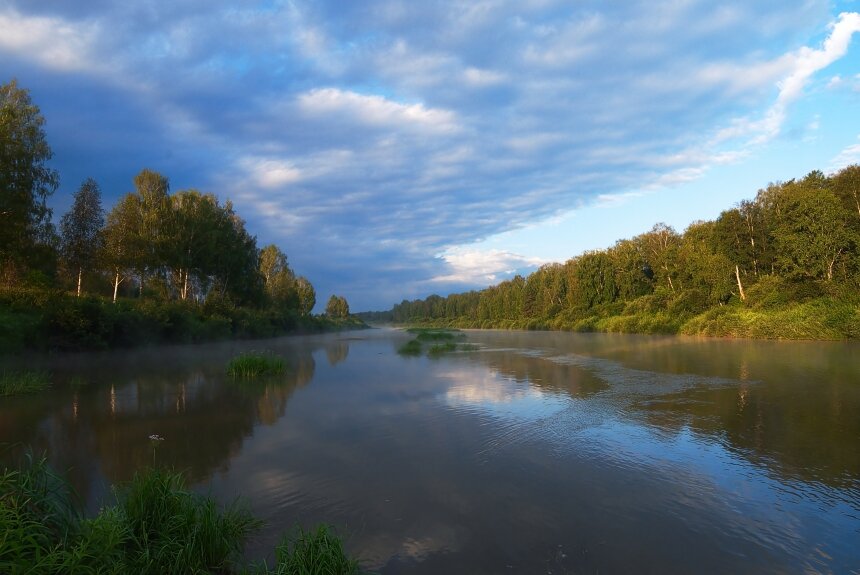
(394, 149)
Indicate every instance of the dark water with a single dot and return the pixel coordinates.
(538, 453)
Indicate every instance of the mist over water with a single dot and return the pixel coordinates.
(536, 453)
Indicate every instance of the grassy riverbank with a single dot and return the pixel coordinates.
(822, 318)
(53, 320)
(157, 526)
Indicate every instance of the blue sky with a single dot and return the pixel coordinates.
(395, 149)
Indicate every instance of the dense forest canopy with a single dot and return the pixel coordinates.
(794, 242)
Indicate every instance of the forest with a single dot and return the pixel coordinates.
(157, 266)
(784, 265)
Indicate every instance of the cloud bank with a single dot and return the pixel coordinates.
(368, 138)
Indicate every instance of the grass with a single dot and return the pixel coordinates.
(255, 363)
(412, 347)
(312, 552)
(443, 341)
(157, 526)
(441, 348)
(16, 383)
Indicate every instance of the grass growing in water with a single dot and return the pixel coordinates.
(16, 383)
(440, 348)
(312, 552)
(156, 527)
(443, 341)
(412, 347)
(254, 363)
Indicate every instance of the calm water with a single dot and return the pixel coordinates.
(538, 453)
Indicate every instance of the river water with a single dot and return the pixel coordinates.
(535, 453)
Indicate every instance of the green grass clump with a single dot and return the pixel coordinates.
(172, 530)
(317, 552)
(157, 527)
(255, 363)
(436, 334)
(412, 347)
(16, 383)
(441, 348)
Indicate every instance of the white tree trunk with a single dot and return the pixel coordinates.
(740, 285)
(80, 272)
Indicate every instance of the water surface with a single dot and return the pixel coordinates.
(537, 453)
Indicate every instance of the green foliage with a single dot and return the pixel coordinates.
(172, 530)
(26, 182)
(157, 527)
(312, 552)
(443, 341)
(255, 363)
(22, 382)
(337, 307)
(795, 245)
(80, 230)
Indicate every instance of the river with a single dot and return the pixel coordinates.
(534, 453)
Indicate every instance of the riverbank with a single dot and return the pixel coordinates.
(823, 318)
(43, 320)
(157, 525)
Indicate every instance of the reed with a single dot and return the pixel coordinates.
(22, 382)
(312, 552)
(255, 363)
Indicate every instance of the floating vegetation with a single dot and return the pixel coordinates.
(21, 382)
(412, 347)
(443, 341)
(440, 348)
(255, 363)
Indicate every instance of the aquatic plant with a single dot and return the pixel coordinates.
(157, 526)
(412, 347)
(255, 363)
(440, 348)
(172, 530)
(312, 552)
(16, 383)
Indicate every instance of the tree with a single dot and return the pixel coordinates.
(26, 181)
(80, 229)
(307, 295)
(812, 232)
(152, 191)
(123, 246)
(278, 278)
(337, 307)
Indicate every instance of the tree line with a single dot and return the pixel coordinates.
(794, 242)
(185, 246)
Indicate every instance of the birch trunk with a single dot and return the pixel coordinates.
(740, 285)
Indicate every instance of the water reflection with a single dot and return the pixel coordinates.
(97, 419)
(535, 453)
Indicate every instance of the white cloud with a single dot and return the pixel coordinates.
(52, 42)
(270, 173)
(805, 63)
(375, 110)
(482, 78)
(477, 267)
(848, 156)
